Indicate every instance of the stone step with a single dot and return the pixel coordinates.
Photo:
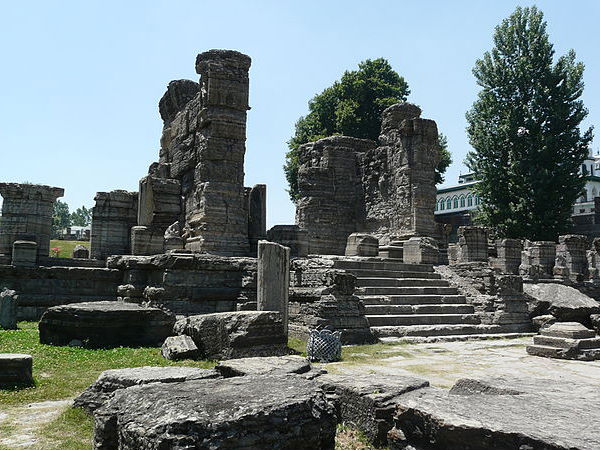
(422, 319)
(434, 330)
(419, 309)
(427, 299)
(369, 273)
(557, 342)
(400, 282)
(454, 338)
(421, 290)
(378, 264)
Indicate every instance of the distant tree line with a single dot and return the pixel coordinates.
(62, 218)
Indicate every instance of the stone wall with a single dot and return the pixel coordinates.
(27, 215)
(113, 216)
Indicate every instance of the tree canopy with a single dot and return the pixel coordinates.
(352, 106)
(60, 218)
(81, 217)
(525, 131)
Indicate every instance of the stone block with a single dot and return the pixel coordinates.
(25, 254)
(421, 250)
(273, 279)
(565, 303)
(239, 334)
(265, 365)
(362, 244)
(251, 412)
(105, 325)
(257, 215)
(16, 369)
(81, 252)
(472, 244)
(179, 347)
(291, 236)
(509, 255)
(566, 340)
(595, 319)
(147, 240)
(544, 321)
(537, 260)
(9, 301)
(571, 262)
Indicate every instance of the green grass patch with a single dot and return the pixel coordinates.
(361, 354)
(64, 372)
(66, 247)
(298, 345)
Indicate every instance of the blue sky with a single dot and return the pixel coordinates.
(81, 80)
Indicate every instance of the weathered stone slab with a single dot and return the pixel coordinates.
(16, 369)
(9, 301)
(273, 279)
(251, 412)
(179, 347)
(362, 244)
(540, 322)
(291, 236)
(113, 380)
(237, 334)
(568, 330)
(368, 401)
(500, 414)
(563, 302)
(105, 324)
(267, 365)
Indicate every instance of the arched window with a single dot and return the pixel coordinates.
(436, 206)
(476, 200)
(462, 201)
(455, 202)
(449, 203)
(583, 197)
(442, 204)
(469, 200)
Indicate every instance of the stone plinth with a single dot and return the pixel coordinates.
(16, 369)
(81, 252)
(537, 260)
(113, 216)
(9, 301)
(256, 200)
(571, 262)
(362, 244)
(291, 236)
(27, 215)
(273, 279)
(509, 255)
(421, 251)
(566, 340)
(236, 334)
(25, 254)
(105, 324)
(472, 244)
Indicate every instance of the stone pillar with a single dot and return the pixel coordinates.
(537, 260)
(215, 212)
(27, 215)
(257, 216)
(113, 216)
(25, 253)
(593, 257)
(8, 309)
(147, 241)
(472, 244)
(571, 259)
(509, 255)
(510, 307)
(273, 279)
(362, 244)
(291, 236)
(421, 250)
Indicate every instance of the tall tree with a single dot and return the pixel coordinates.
(352, 106)
(61, 218)
(525, 131)
(81, 217)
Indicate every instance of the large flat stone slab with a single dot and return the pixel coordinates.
(113, 380)
(500, 414)
(265, 365)
(15, 369)
(565, 303)
(251, 412)
(106, 324)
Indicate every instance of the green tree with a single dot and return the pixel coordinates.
(445, 159)
(60, 218)
(524, 128)
(81, 217)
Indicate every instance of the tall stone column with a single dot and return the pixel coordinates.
(273, 279)
(215, 212)
(257, 215)
(27, 215)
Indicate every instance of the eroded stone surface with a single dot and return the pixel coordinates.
(16, 368)
(179, 347)
(563, 302)
(267, 365)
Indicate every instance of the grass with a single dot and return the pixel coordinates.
(66, 247)
(64, 372)
(349, 438)
(73, 429)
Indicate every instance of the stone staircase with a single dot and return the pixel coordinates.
(411, 300)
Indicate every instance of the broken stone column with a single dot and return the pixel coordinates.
(362, 244)
(571, 258)
(9, 301)
(27, 215)
(421, 250)
(113, 216)
(25, 253)
(257, 215)
(510, 307)
(291, 236)
(593, 257)
(472, 244)
(537, 260)
(509, 255)
(273, 279)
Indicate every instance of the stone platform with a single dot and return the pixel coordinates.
(566, 340)
(105, 324)
(16, 368)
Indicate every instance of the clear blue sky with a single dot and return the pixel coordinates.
(81, 80)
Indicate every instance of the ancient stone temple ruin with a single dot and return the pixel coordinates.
(348, 185)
